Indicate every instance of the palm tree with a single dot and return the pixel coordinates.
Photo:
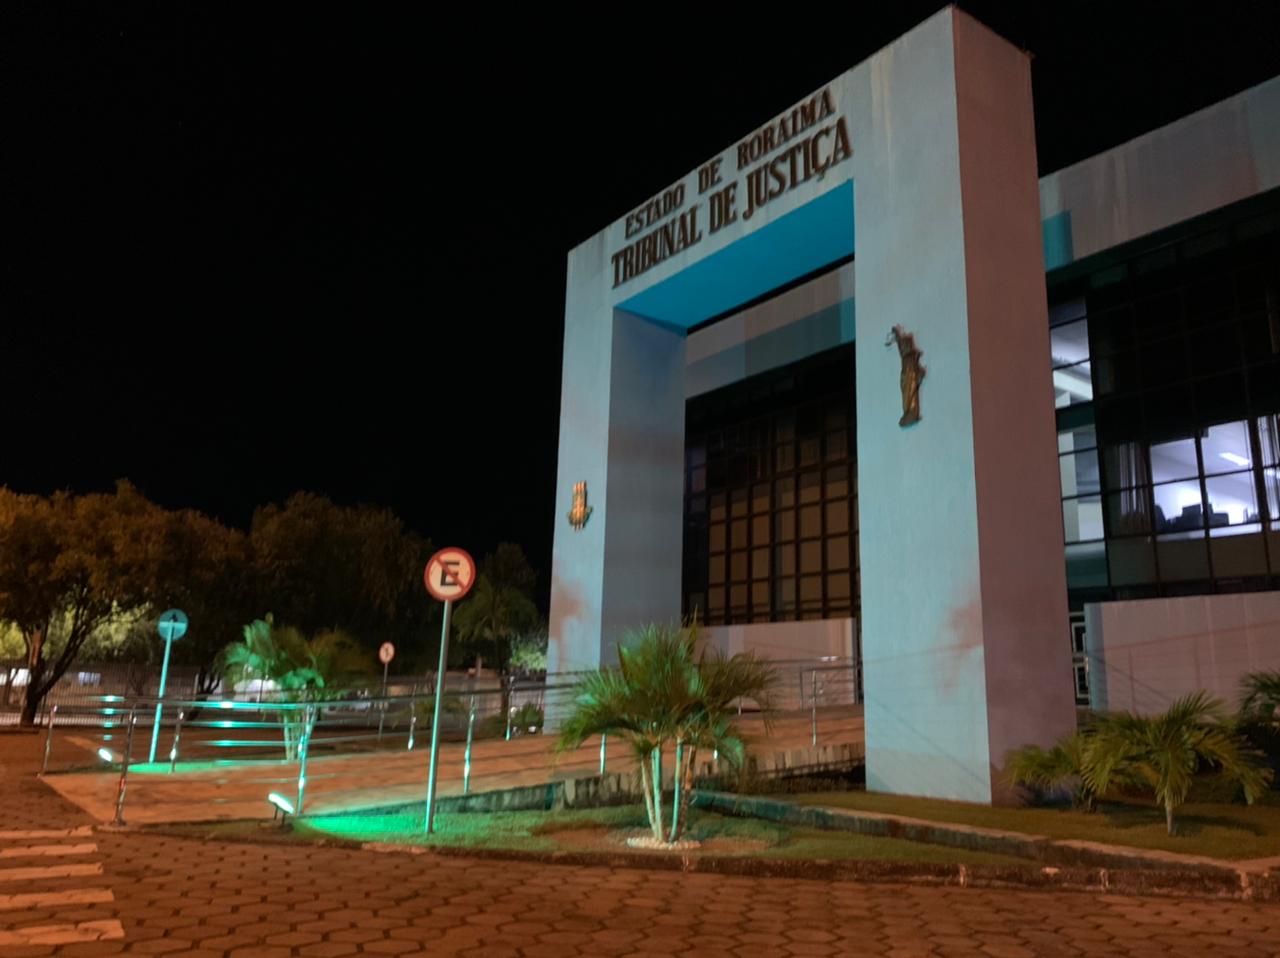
(664, 693)
(490, 616)
(1260, 696)
(302, 670)
(1164, 752)
(1061, 766)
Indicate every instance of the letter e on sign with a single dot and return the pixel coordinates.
(450, 574)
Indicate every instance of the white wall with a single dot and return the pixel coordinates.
(1143, 654)
(1216, 156)
(813, 639)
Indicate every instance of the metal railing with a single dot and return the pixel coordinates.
(281, 736)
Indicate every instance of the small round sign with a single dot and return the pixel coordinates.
(172, 625)
(386, 652)
(450, 574)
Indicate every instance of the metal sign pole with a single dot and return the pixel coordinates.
(435, 721)
(382, 709)
(466, 762)
(164, 680)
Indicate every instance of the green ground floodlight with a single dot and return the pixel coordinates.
(280, 806)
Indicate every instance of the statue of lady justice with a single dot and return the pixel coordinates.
(912, 375)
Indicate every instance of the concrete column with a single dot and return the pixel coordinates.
(964, 613)
(621, 432)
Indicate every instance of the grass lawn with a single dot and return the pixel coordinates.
(590, 830)
(1220, 831)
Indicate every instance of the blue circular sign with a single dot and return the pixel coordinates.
(172, 625)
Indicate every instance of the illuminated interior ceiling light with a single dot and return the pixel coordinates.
(1234, 458)
(106, 756)
(226, 705)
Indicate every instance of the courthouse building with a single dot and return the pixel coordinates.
(864, 385)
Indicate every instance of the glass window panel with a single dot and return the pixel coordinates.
(1238, 554)
(809, 420)
(786, 557)
(1167, 412)
(811, 588)
(1081, 437)
(759, 563)
(1220, 397)
(738, 502)
(760, 498)
(717, 537)
(1132, 561)
(1116, 374)
(837, 482)
(810, 452)
(785, 459)
(1178, 507)
(737, 566)
(1126, 465)
(785, 490)
(715, 600)
(1086, 565)
(784, 524)
(1182, 558)
(715, 569)
(839, 587)
(811, 557)
(1072, 385)
(698, 480)
(837, 516)
(1174, 460)
(810, 487)
(760, 596)
(738, 534)
(837, 415)
(718, 512)
(1233, 499)
(1069, 343)
(698, 504)
(759, 530)
(784, 425)
(697, 454)
(810, 521)
(1082, 519)
(1078, 473)
(738, 599)
(1129, 512)
(784, 594)
(1164, 362)
(1112, 331)
(1066, 312)
(1269, 439)
(1215, 348)
(838, 552)
(837, 446)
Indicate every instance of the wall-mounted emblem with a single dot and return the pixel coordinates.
(579, 511)
(912, 374)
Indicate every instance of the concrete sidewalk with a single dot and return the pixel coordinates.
(370, 780)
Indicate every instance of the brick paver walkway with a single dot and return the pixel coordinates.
(199, 900)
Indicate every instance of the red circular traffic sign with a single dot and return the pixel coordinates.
(449, 575)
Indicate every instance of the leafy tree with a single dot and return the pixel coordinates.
(302, 670)
(69, 565)
(529, 651)
(489, 618)
(508, 566)
(1165, 752)
(665, 694)
(319, 566)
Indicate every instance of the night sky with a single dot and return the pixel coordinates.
(245, 250)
